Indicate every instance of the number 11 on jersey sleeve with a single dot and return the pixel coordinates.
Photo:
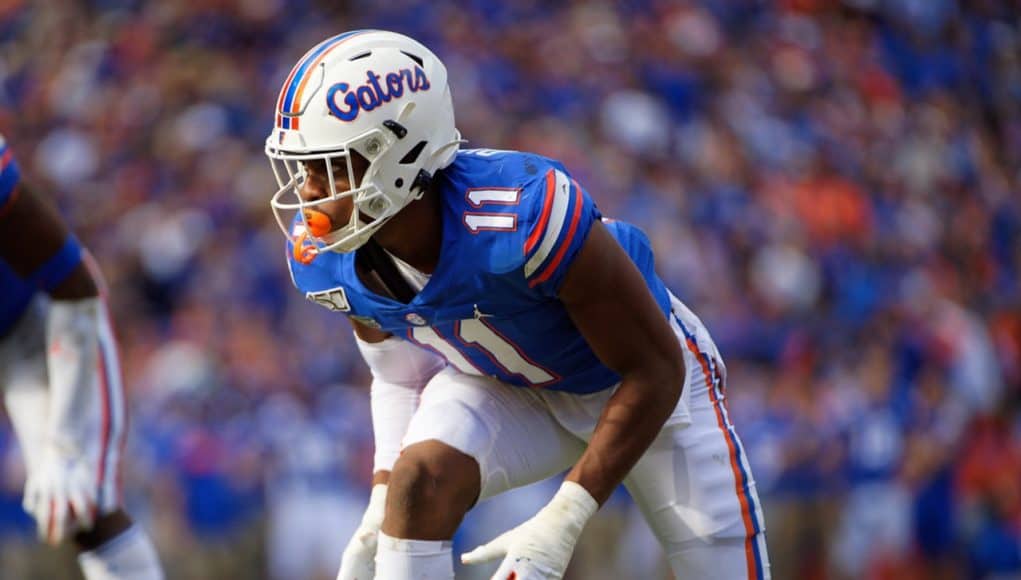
(477, 221)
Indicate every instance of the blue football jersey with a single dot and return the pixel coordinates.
(15, 293)
(512, 225)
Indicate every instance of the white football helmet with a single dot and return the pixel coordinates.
(379, 94)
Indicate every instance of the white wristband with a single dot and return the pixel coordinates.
(573, 505)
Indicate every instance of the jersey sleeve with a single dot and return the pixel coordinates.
(560, 217)
(9, 174)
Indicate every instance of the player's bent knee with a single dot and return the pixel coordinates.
(431, 487)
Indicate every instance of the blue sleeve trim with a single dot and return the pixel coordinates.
(59, 266)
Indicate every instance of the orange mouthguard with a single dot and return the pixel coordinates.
(319, 224)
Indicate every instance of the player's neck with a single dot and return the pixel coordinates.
(415, 234)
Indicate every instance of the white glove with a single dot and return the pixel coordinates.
(61, 490)
(359, 560)
(61, 494)
(541, 547)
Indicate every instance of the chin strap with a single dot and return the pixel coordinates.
(374, 258)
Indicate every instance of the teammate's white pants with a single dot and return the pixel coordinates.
(23, 378)
(693, 485)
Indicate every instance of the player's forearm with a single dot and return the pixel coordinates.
(632, 418)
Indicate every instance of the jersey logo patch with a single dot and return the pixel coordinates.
(334, 299)
(415, 319)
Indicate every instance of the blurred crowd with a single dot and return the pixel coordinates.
(834, 186)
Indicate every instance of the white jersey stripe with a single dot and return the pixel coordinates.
(558, 216)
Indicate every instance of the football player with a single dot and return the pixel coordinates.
(62, 386)
(512, 331)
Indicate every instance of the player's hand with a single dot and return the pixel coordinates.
(359, 560)
(541, 547)
(61, 494)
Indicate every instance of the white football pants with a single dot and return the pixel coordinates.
(693, 485)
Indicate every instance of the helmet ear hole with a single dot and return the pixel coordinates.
(399, 183)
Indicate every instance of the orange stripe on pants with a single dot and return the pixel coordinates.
(746, 514)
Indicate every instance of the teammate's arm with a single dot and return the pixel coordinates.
(37, 245)
(31, 235)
